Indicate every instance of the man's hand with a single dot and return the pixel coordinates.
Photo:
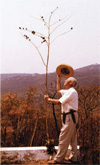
(55, 101)
(58, 77)
(46, 97)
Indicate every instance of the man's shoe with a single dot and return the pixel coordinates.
(53, 162)
(74, 162)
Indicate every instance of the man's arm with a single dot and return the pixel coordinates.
(54, 101)
(58, 83)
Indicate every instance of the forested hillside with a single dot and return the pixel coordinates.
(18, 83)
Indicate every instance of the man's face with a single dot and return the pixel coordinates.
(67, 84)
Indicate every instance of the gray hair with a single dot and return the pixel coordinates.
(73, 80)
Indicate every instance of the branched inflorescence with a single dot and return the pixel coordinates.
(51, 28)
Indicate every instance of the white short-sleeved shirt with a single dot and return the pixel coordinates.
(69, 100)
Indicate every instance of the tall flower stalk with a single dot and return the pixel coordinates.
(51, 28)
(46, 39)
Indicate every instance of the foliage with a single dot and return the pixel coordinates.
(88, 126)
(50, 146)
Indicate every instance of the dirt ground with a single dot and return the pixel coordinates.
(45, 163)
(14, 158)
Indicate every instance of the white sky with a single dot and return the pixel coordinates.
(78, 48)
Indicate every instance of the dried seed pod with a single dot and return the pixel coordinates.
(43, 38)
(33, 32)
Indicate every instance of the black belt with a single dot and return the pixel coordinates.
(72, 115)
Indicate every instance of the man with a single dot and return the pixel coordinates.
(69, 108)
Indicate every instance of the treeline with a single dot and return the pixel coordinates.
(29, 121)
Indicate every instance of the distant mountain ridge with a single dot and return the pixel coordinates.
(7, 76)
(18, 83)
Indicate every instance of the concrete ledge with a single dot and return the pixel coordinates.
(28, 148)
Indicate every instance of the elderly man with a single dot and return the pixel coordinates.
(69, 108)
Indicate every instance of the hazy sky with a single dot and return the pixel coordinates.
(80, 47)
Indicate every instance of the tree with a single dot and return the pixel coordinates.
(9, 103)
(88, 127)
(18, 118)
